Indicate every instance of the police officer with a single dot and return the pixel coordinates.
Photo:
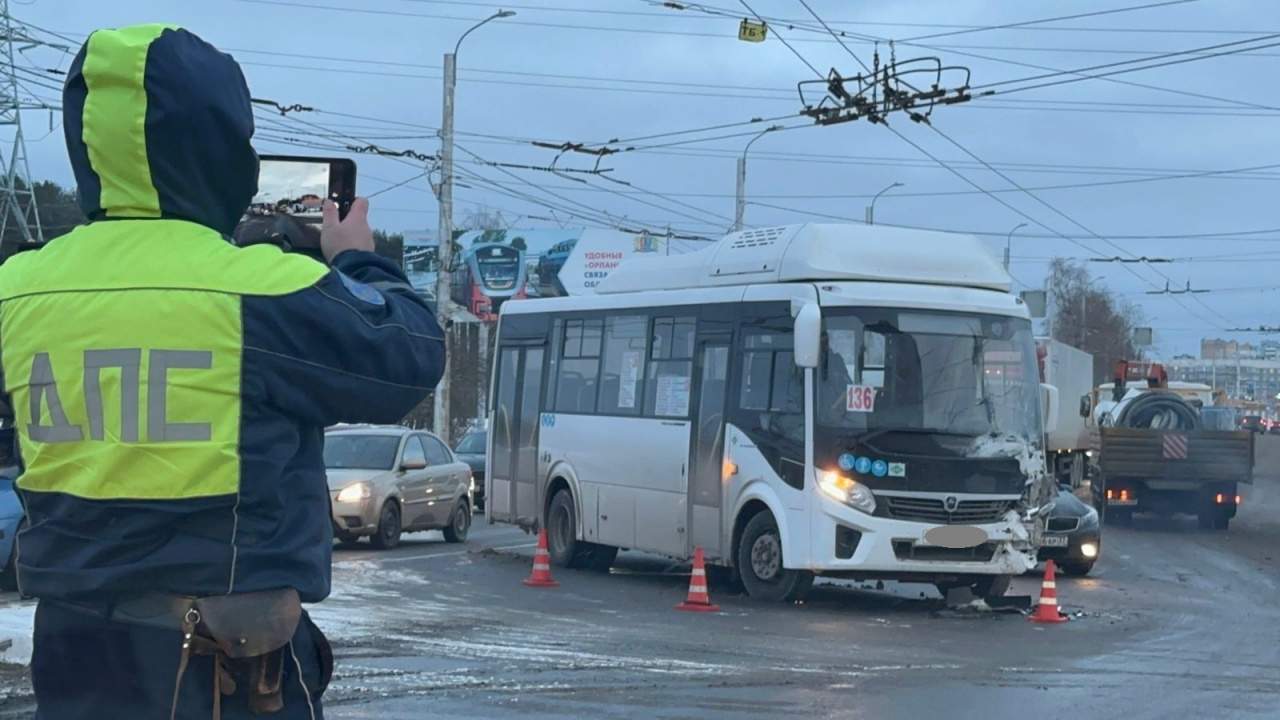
(170, 392)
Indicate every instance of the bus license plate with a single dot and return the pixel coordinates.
(1122, 501)
(1055, 541)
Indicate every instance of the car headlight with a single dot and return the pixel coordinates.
(355, 493)
(850, 492)
(1090, 519)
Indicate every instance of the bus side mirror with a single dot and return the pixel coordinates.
(808, 333)
(1086, 406)
(1049, 403)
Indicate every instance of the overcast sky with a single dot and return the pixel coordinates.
(597, 70)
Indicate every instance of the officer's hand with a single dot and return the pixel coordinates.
(352, 233)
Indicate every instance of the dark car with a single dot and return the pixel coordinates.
(470, 450)
(1073, 539)
(1254, 423)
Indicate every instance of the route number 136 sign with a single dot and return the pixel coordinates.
(860, 398)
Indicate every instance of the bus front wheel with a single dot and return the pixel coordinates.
(761, 567)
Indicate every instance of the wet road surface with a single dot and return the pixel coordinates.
(1177, 622)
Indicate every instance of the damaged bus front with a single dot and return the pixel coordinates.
(928, 443)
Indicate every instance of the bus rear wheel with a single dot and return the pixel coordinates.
(761, 567)
(562, 544)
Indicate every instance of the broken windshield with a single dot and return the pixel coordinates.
(889, 370)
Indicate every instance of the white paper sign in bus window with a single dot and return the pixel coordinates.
(860, 399)
(673, 396)
(629, 376)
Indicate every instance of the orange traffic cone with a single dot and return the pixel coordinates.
(699, 600)
(541, 576)
(1047, 610)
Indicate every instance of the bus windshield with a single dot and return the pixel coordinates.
(928, 372)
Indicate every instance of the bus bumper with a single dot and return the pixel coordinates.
(847, 541)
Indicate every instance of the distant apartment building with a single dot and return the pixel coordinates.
(1269, 350)
(1250, 379)
(1218, 349)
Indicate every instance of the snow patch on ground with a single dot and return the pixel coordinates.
(17, 623)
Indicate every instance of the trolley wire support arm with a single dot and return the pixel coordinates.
(888, 88)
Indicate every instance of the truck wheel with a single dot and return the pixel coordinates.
(761, 566)
(1214, 519)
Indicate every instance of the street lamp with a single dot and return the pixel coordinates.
(871, 209)
(444, 244)
(1008, 244)
(741, 206)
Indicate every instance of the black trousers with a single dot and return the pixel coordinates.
(85, 667)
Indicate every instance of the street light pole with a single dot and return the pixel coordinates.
(444, 243)
(740, 208)
(1008, 245)
(871, 209)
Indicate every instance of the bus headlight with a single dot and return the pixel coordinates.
(849, 492)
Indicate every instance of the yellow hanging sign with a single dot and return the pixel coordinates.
(752, 32)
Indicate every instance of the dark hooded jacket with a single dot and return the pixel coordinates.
(170, 389)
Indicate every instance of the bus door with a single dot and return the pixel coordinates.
(706, 457)
(514, 434)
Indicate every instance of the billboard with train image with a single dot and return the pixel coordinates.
(496, 266)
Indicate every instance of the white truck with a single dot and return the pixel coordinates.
(1070, 370)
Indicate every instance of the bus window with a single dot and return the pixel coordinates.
(670, 378)
(579, 366)
(772, 385)
(624, 353)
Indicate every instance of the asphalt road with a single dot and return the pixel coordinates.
(1174, 622)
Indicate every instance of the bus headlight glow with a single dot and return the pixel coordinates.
(847, 491)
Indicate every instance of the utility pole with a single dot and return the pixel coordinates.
(17, 192)
(1008, 245)
(740, 209)
(444, 243)
(871, 209)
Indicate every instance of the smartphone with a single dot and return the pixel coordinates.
(287, 211)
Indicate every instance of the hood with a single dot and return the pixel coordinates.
(159, 124)
(1068, 505)
(339, 479)
(473, 461)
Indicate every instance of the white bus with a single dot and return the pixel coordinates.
(797, 401)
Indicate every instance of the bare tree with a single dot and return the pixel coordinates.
(482, 218)
(1090, 317)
